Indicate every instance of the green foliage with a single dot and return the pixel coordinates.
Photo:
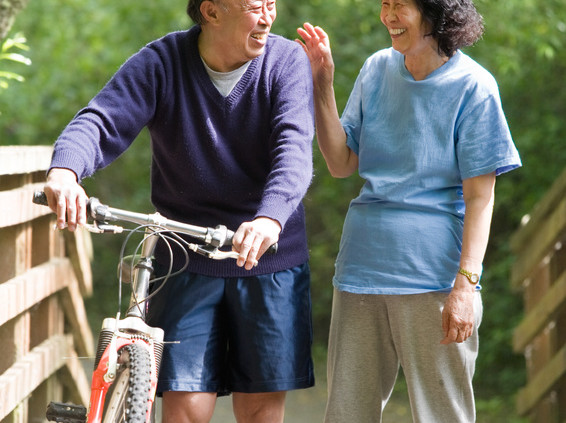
(524, 48)
(7, 54)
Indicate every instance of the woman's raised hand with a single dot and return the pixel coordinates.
(316, 44)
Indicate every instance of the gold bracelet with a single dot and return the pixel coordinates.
(474, 278)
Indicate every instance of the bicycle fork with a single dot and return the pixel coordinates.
(114, 336)
(117, 333)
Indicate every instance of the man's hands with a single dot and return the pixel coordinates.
(66, 198)
(252, 239)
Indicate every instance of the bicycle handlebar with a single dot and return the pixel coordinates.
(102, 214)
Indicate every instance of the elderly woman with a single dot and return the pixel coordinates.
(425, 128)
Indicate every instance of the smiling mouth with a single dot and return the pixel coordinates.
(259, 36)
(397, 31)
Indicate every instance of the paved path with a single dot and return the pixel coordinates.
(307, 406)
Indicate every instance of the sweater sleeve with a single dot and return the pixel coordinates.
(292, 122)
(107, 126)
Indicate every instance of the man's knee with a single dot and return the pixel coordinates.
(188, 407)
(266, 407)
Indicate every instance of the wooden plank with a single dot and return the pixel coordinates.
(47, 242)
(539, 317)
(79, 250)
(542, 243)
(23, 292)
(23, 249)
(20, 380)
(72, 302)
(47, 319)
(74, 377)
(8, 254)
(542, 383)
(16, 160)
(16, 205)
(521, 239)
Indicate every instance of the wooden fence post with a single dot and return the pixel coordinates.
(540, 273)
(44, 275)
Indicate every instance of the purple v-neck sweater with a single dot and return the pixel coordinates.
(216, 160)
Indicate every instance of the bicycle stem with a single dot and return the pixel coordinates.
(142, 275)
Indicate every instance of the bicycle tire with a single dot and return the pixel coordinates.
(128, 397)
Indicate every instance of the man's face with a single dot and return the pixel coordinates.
(245, 25)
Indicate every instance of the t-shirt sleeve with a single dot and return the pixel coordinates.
(484, 142)
(352, 116)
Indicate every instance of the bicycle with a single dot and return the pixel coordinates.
(129, 351)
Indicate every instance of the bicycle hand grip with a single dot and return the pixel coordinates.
(230, 234)
(39, 197)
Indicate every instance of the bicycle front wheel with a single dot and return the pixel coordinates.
(128, 398)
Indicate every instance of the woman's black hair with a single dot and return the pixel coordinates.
(454, 23)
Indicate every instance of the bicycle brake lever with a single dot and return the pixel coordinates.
(97, 228)
(110, 228)
(215, 253)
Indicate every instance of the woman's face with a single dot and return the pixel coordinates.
(406, 26)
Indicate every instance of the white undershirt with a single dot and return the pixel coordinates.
(225, 81)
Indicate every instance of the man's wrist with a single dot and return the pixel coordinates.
(56, 172)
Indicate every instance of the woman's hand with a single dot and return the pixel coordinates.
(66, 198)
(458, 315)
(252, 239)
(317, 47)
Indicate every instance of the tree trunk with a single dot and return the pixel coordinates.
(8, 12)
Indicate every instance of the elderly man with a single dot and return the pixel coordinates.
(229, 110)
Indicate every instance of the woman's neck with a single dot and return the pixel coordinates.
(422, 65)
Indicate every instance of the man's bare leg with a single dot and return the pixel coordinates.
(266, 407)
(188, 407)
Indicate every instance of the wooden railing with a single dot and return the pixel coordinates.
(44, 275)
(540, 273)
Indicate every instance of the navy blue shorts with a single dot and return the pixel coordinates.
(250, 334)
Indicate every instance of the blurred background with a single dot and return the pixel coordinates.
(64, 51)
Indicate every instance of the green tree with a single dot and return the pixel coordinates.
(7, 53)
(8, 11)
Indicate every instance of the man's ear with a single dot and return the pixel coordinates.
(209, 11)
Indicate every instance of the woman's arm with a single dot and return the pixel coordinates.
(458, 313)
(330, 134)
(479, 194)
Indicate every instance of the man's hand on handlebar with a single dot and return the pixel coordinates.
(66, 198)
(252, 239)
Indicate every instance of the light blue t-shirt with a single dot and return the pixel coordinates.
(416, 142)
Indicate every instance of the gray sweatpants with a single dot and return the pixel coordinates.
(371, 335)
